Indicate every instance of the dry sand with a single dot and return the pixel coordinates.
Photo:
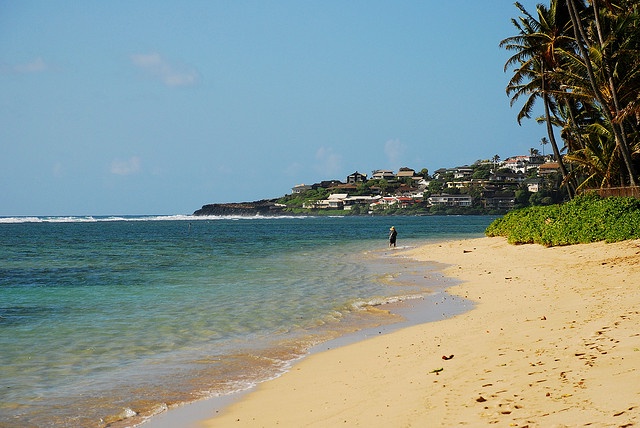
(554, 341)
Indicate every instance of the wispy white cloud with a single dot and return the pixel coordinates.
(126, 166)
(394, 149)
(168, 73)
(329, 163)
(36, 65)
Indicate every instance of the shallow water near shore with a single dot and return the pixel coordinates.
(112, 320)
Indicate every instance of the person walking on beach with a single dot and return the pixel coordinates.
(392, 236)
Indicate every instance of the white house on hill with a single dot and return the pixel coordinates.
(450, 200)
(383, 174)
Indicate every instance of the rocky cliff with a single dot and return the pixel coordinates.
(263, 207)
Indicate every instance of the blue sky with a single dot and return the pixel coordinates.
(159, 107)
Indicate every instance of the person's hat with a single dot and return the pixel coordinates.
(392, 227)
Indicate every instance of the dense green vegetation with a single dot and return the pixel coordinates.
(581, 60)
(584, 219)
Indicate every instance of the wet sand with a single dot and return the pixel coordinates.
(552, 341)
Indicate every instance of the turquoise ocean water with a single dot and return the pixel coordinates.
(105, 318)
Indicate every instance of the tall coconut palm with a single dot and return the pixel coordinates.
(543, 142)
(536, 46)
(617, 24)
(595, 50)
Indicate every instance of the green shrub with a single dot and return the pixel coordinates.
(584, 219)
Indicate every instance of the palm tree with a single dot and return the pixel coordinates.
(595, 51)
(495, 159)
(584, 64)
(543, 142)
(536, 58)
(596, 159)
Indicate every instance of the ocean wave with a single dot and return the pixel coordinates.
(20, 220)
(381, 301)
(49, 219)
(96, 219)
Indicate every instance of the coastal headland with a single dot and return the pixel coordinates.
(262, 207)
(552, 341)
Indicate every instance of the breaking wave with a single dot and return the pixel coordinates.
(96, 219)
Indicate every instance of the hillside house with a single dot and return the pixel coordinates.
(405, 201)
(548, 168)
(500, 200)
(356, 177)
(406, 173)
(422, 183)
(517, 164)
(440, 173)
(383, 174)
(450, 200)
(333, 202)
(458, 184)
(352, 201)
(385, 202)
(300, 188)
(533, 185)
(508, 176)
(326, 184)
(462, 172)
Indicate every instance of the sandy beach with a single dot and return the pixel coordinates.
(552, 342)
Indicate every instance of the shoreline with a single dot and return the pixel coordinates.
(413, 312)
(551, 340)
(399, 313)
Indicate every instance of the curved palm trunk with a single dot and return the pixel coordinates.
(552, 137)
(571, 120)
(621, 142)
(556, 150)
(624, 148)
